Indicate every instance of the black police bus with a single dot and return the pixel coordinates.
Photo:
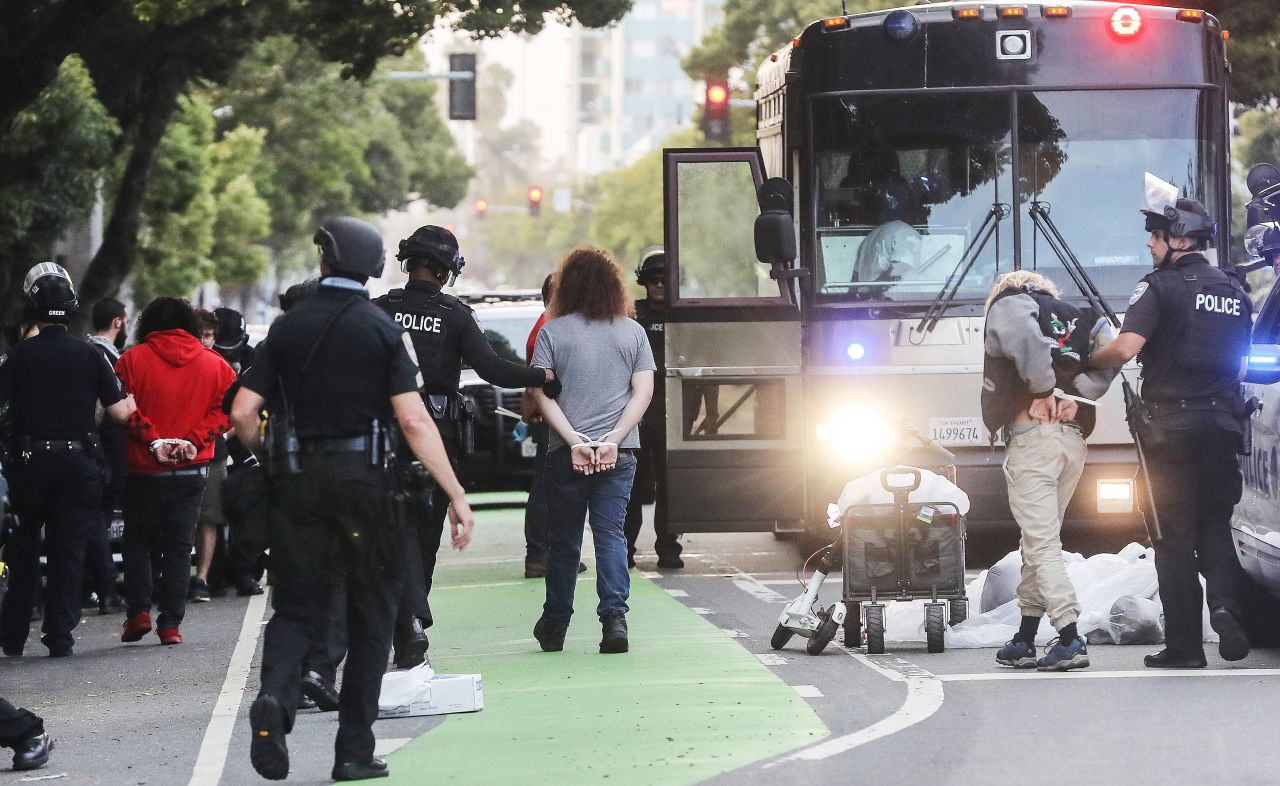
(926, 150)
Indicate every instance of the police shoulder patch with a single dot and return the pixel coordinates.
(1138, 292)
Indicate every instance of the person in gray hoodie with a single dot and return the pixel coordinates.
(1035, 345)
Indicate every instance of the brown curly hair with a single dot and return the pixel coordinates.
(590, 283)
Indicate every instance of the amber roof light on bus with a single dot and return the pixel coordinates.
(1057, 11)
(966, 13)
(1191, 15)
(835, 23)
(1125, 23)
(1012, 12)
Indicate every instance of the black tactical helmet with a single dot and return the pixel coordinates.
(653, 264)
(52, 296)
(232, 333)
(433, 245)
(351, 246)
(298, 293)
(1186, 218)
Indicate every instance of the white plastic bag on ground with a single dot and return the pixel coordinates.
(402, 688)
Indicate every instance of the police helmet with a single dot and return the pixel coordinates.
(653, 265)
(52, 296)
(1262, 241)
(1185, 218)
(351, 246)
(431, 245)
(232, 332)
(298, 293)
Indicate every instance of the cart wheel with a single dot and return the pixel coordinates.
(781, 636)
(853, 629)
(934, 625)
(959, 610)
(822, 636)
(875, 630)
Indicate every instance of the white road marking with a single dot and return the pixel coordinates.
(677, 593)
(924, 698)
(808, 691)
(750, 585)
(700, 610)
(1085, 674)
(530, 582)
(389, 746)
(733, 634)
(651, 574)
(769, 659)
(217, 737)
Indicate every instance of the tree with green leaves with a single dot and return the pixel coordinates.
(144, 54)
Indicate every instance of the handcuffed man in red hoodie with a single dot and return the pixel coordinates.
(179, 385)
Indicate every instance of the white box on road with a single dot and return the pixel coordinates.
(449, 693)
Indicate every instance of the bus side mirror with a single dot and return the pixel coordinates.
(775, 232)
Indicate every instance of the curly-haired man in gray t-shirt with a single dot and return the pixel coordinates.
(603, 359)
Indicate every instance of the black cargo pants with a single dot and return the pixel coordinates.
(1196, 482)
(17, 725)
(333, 516)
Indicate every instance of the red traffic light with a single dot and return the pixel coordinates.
(717, 94)
(535, 194)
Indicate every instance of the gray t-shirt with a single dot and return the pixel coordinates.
(594, 360)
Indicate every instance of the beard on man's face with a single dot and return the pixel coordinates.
(120, 339)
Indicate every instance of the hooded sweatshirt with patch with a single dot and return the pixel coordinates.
(178, 386)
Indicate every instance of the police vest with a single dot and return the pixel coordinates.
(431, 320)
(1005, 394)
(1198, 351)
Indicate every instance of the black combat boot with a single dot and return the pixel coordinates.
(614, 628)
(410, 643)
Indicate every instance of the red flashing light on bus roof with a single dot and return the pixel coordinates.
(1057, 11)
(1191, 15)
(1125, 23)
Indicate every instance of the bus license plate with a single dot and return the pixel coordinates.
(528, 448)
(958, 431)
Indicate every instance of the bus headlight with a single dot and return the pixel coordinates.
(1115, 496)
(861, 434)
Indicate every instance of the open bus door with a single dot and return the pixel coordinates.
(733, 387)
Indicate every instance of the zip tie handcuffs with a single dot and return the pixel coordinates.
(1060, 393)
(594, 443)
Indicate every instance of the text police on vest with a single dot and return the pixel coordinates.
(1218, 304)
(418, 322)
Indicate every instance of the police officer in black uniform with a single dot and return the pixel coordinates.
(1188, 323)
(445, 334)
(333, 373)
(651, 458)
(53, 382)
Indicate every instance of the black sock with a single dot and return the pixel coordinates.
(1068, 634)
(1027, 630)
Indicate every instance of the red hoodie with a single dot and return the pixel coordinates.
(178, 385)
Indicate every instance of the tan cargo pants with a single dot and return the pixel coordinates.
(1042, 467)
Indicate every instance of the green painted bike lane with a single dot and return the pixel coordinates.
(685, 704)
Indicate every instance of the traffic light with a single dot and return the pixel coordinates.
(715, 112)
(535, 200)
(482, 207)
(462, 92)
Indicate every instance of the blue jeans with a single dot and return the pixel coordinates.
(570, 497)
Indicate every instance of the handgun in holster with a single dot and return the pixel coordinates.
(1248, 408)
(467, 425)
(282, 447)
(1141, 422)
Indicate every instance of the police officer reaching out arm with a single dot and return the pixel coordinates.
(1188, 323)
(332, 373)
(444, 333)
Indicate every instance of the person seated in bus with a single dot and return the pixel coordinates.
(1034, 342)
(892, 250)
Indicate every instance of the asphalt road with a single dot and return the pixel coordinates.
(146, 714)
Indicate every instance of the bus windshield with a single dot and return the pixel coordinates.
(906, 183)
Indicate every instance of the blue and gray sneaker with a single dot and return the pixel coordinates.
(1064, 657)
(1018, 654)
